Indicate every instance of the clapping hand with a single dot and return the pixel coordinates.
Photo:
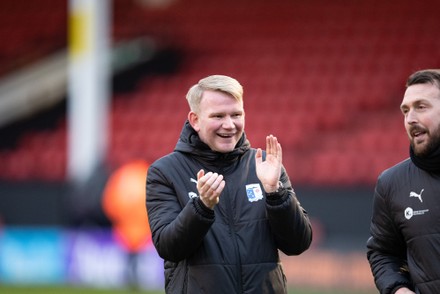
(210, 186)
(269, 171)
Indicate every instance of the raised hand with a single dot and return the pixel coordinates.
(269, 170)
(210, 186)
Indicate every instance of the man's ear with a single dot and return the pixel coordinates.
(193, 119)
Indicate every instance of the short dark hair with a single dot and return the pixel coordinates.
(425, 76)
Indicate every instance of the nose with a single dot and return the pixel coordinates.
(411, 117)
(228, 123)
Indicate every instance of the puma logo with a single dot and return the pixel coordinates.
(414, 194)
(192, 194)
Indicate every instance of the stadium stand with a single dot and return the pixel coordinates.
(30, 31)
(325, 77)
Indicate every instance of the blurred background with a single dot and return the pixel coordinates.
(92, 92)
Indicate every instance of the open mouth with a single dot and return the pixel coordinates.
(418, 134)
(416, 130)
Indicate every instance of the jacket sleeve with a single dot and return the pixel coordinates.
(386, 248)
(176, 231)
(289, 222)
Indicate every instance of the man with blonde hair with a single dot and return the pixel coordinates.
(219, 210)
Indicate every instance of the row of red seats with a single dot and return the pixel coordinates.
(316, 83)
(30, 30)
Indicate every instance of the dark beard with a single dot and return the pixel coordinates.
(431, 147)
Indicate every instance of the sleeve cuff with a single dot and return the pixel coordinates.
(202, 209)
(276, 198)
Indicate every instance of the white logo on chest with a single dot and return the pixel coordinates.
(414, 194)
(254, 192)
(193, 194)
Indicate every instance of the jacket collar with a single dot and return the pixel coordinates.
(429, 163)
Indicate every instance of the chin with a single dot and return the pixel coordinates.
(224, 149)
(420, 150)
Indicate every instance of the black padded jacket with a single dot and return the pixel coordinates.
(233, 248)
(404, 247)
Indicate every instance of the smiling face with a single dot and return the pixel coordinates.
(219, 120)
(421, 109)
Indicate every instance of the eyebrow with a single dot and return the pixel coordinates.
(416, 103)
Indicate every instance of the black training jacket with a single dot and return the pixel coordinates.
(233, 249)
(404, 247)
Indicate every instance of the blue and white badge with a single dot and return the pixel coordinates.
(254, 192)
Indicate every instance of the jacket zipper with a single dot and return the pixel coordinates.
(234, 239)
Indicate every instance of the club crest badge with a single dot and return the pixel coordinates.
(254, 192)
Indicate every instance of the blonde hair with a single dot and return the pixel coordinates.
(220, 83)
